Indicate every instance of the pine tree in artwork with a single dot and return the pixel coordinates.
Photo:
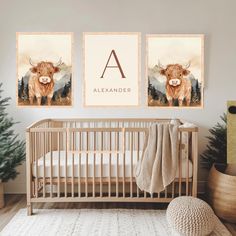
(22, 86)
(12, 150)
(195, 98)
(216, 151)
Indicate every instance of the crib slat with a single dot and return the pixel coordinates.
(124, 145)
(86, 168)
(44, 153)
(145, 194)
(131, 167)
(180, 165)
(195, 162)
(51, 164)
(101, 166)
(110, 148)
(138, 147)
(173, 189)
(117, 163)
(36, 163)
(40, 155)
(187, 159)
(73, 164)
(79, 165)
(58, 164)
(29, 161)
(66, 156)
(94, 161)
(144, 125)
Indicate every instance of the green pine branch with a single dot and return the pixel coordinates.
(216, 150)
(12, 150)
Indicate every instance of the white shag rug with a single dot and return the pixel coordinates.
(89, 222)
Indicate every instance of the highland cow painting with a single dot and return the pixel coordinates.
(175, 70)
(44, 69)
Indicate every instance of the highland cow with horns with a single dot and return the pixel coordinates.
(41, 84)
(177, 86)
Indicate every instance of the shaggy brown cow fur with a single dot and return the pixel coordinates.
(177, 87)
(42, 82)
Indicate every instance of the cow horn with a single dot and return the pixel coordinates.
(160, 66)
(58, 63)
(186, 66)
(31, 62)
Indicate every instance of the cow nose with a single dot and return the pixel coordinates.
(44, 79)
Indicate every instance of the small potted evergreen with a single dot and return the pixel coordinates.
(216, 151)
(221, 185)
(12, 150)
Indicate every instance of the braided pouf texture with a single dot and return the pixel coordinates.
(190, 216)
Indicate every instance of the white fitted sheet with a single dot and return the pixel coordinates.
(97, 165)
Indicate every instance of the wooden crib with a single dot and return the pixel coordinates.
(93, 160)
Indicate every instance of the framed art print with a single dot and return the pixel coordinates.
(44, 69)
(175, 70)
(111, 69)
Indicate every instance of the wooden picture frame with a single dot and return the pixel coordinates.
(163, 50)
(44, 62)
(111, 75)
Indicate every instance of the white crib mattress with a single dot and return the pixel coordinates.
(81, 172)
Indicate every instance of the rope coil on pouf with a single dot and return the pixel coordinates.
(190, 216)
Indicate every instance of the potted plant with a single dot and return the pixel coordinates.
(12, 150)
(221, 184)
(216, 151)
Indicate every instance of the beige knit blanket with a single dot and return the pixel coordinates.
(156, 168)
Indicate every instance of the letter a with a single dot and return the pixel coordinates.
(117, 66)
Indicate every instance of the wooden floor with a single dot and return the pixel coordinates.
(15, 202)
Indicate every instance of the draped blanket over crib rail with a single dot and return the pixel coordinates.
(157, 167)
(76, 160)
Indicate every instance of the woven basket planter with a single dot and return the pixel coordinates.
(1, 195)
(221, 193)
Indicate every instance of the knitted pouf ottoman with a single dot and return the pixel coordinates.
(190, 216)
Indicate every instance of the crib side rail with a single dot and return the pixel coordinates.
(101, 141)
(75, 143)
(41, 123)
(195, 162)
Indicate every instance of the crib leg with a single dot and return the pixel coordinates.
(29, 209)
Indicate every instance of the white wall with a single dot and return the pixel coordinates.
(214, 18)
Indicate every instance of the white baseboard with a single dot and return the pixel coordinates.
(12, 188)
